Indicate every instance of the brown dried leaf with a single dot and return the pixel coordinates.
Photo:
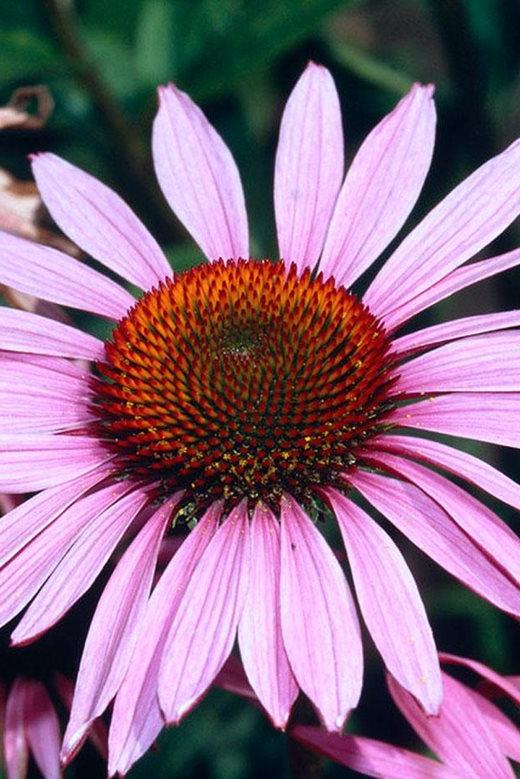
(16, 115)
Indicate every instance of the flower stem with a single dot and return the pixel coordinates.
(130, 147)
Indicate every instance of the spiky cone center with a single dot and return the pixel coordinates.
(240, 379)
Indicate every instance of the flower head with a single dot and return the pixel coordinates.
(241, 399)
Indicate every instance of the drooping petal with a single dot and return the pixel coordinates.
(259, 632)
(308, 168)
(461, 464)
(98, 733)
(199, 177)
(29, 518)
(428, 526)
(136, 719)
(483, 526)
(456, 328)
(503, 683)
(490, 417)
(99, 221)
(459, 735)
(483, 363)
(115, 626)
(232, 678)
(505, 732)
(449, 284)
(371, 757)
(319, 623)
(23, 575)
(459, 279)
(390, 603)
(469, 218)
(16, 750)
(51, 275)
(204, 626)
(31, 462)
(42, 729)
(21, 331)
(381, 187)
(79, 566)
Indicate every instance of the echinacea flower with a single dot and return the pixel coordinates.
(30, 725)
(471, 736)
(244, 397)
(32, 692)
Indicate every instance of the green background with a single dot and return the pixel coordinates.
(102, 61)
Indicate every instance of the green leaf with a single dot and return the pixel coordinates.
(154, 50)
(222, 44)
(370, 69)
(26, 57)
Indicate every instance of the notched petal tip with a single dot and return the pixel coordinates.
(163, 90)
(428, 90)
(317, 67)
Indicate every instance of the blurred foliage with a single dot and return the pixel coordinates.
(239, 59)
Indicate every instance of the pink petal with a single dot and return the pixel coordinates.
(39, 410)
(428, 526)
(59, 377)
(99, 221)
(459, 735)
(308, 167)
(259, 633)
(469, 218)
(390, 603)
(457, 328)
(136, 719)
(31, 462)
(79, 567)
(484, 527)
(381, 187)
(505, 732)
(370, 757)
(204, 627)
(51, 275)
(460, 463)
(453, 282)
(60, 365)
(484, 363)
(504, 683)
(319, 623)
(449, 284)
(23, 575)
(29, 518)
(484, 417)
(16, 751)
(42, 729)
(21, 331)
(115, 626)
(97, 734)
(199, 177)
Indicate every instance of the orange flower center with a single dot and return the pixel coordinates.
(241, 379)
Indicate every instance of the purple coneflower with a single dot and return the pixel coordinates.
(30, 725)
(471, 735)
(246, 399)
